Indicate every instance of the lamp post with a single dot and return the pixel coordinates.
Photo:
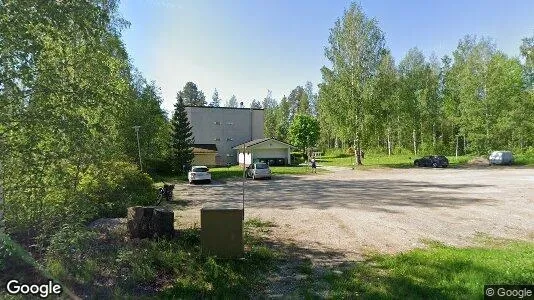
(138, 145)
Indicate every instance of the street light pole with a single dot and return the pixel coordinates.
(138, 145)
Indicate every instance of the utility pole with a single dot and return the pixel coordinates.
(138, 145)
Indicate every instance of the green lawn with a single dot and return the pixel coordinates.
(438, 272)
(383, 161)
(218, 173)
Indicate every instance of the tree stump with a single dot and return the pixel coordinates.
(149, 221)
(139, 221)
(162, 223)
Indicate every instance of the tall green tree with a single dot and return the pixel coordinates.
(191, 95)
(145, 111)
(232, 102)
(283, 120)
(304, 131)
(63, 102)
(270, 108)
(215, 100)
(354, 50)
(255, 104)
(298, 102)
(527, 52)
(182, 139)
(384, 101)
(471, 61)
(311, 97)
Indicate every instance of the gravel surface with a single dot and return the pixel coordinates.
(387, 210)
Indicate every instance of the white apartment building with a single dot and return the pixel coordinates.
(222, 128)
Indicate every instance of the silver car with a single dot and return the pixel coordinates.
(258, 170)
(501, 158)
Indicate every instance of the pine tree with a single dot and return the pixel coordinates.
(181, 138)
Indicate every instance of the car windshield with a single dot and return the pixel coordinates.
(200, 169)
(262, 166)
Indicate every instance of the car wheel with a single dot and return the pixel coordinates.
(434, 165)
(209, 180)
(269, 177)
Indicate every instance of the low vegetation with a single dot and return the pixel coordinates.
(437, 272)
(102, 264)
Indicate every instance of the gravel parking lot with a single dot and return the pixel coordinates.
(385, 210)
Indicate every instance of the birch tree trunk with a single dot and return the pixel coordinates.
(389, 142)
(414, 143)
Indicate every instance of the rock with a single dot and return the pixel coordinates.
(150, 221)
(162, 223)
(139, 221)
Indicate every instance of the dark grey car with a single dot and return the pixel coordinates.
(435, 161)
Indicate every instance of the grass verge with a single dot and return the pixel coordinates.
(384, 161)
(437, 272)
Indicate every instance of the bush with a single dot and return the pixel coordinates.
(157, 166)
(112, 188)
(297, 158)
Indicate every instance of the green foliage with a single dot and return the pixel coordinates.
(63, 106)
(283, 117)
(255, 104)
(354, 49)
(215, 100)
(270, 110)
(439, 272)
(181, 139)
(172, 268)
(304, 131)
(191, 95)
(232, 102)
(109, 190)
(145, 111)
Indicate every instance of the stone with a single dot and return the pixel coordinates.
(139, 221)
(162, 223)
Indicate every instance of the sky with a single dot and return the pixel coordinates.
(246, 47)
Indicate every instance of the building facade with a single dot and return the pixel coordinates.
(225, 127)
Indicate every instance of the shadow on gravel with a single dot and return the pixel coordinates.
(373, 195)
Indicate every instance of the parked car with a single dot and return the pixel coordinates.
(199, 174)
(434, 161)
(258, 170)
(501, 158)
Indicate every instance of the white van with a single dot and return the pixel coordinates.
(501, 158)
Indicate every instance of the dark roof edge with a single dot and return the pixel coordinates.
(262, 141)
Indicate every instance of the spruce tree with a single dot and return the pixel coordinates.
(182, 138)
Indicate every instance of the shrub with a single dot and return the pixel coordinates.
(110, 189)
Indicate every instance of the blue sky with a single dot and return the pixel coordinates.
(246, 47)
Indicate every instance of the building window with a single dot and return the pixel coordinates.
(216, 139)
(229, 139)
(217, 123)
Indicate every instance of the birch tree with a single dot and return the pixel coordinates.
(354, 49)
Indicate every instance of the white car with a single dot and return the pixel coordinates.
(258, 170)
(199, 173)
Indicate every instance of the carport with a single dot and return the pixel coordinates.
(269, 150)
